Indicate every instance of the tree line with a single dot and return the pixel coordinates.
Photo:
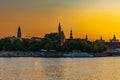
(51, 42)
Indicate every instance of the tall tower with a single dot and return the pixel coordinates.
(59, 28)
(114, 37)
(86, 37)
(19, 34)
(71, 35)
(101, 38)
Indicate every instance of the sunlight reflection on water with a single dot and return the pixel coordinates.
(60, 68)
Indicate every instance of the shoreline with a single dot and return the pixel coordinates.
(10, 54)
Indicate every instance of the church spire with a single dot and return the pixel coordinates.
(86, 37)
(71, 34)
(59, 28)
(19, 34)
(101, 38)
(114, 37)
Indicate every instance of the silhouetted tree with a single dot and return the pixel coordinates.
(25, 44)
(1, 45)
(17, 45)
(51, 42)
(35, 46)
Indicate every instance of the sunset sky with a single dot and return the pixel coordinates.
(95, 18)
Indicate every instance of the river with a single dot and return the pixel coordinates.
(106, 68)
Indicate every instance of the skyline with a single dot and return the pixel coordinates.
(19, 35)
(95, 18)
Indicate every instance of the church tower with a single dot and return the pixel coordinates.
(61, 35)
(59, 28)
(71, 35)
(19, 34)
(86, 38)
(114, 37)
(101, 38)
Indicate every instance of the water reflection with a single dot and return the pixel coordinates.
(60, 68)
(52, 69)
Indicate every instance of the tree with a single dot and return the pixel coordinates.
(25, 44)
(18, 44)
(7, 44)
(51, 42)
(1, 45)
(35, 46)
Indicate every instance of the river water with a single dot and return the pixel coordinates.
(60, 68)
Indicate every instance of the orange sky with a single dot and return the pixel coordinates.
(95, 18)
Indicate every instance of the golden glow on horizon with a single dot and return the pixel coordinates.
(95, 21)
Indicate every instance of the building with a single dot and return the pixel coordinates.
(61, 35)
(114, 43)
(71, 35)
(19, 34)
(86, 37)
(114, 40)
(101, 40)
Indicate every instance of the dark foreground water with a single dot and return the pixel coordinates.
(60, 68)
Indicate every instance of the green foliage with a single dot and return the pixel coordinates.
(7, 44)
(35, 46)
(51, 42)
(1, 45)
(25, 44)
(17, 44)
(84, 46)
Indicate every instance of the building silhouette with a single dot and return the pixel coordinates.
(114, 43)
(86, 37)
(61, 35)
(19, 34)
(59, 28)
(71, 35)
(114, 40)
(101, 40)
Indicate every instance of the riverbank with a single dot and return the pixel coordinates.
(55, 54)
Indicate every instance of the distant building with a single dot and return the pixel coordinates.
(59, 28)
(114, 40)
(101, 40)
(71, 35)
(114, 43)
(61, 35)
(86, 38)
(19, 34)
